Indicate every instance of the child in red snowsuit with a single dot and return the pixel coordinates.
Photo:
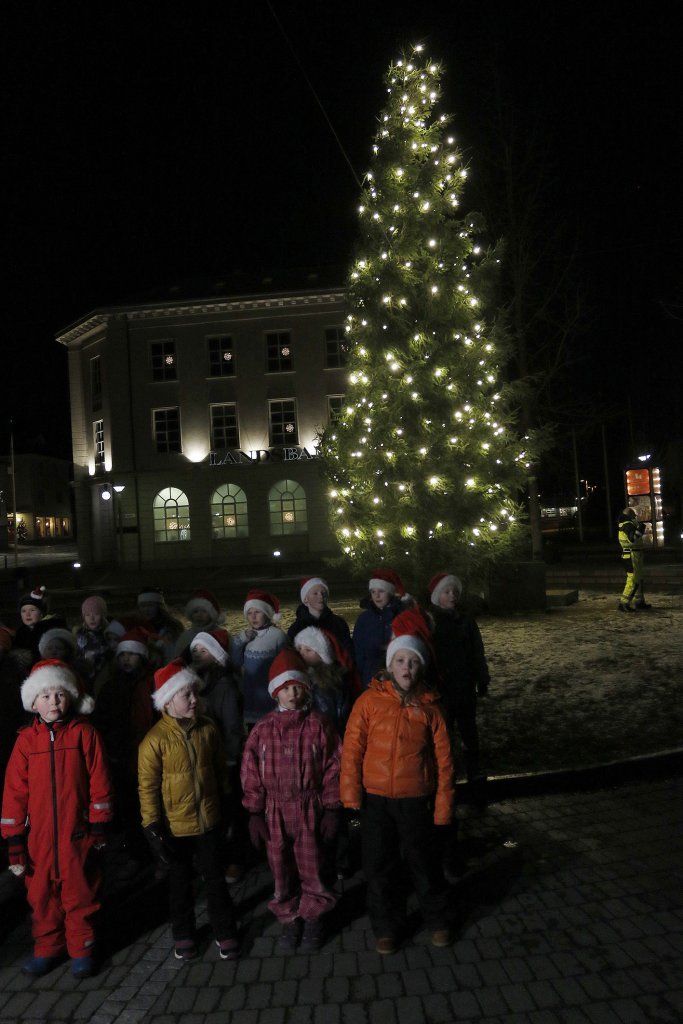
(56, 803)
(290, 778)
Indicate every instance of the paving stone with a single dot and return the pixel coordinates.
(284, 993)
(464, 1005)
(327, 1013)
(382, 1012)
(543, 993)
(337, 990)
(491, 1001)
(355, 1013)
(233, 998)
(409, 1010)
(311, 991)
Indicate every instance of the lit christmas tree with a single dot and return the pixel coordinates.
(424, 462)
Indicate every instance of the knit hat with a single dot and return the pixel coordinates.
(94, 604)
(56, 634)
(287, 667)
(318, 640)
(438, 584)
(170, 679)
(37, 597)
(308, 584)
(135, 642)
(115, 627)
(216, 642)
(265, 602)
(151, 595)
(411, 632)
(387, 579)
(53, 674)
(204, 599)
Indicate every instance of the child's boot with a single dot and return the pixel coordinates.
(82, 967)
(288, 939)
(37, 966)
(313, 936)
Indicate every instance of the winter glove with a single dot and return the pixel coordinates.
(158, 842)
(18, 859)
(258, 830)
(99, 835)
(329, 824)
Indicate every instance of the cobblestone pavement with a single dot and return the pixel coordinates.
(569, 911)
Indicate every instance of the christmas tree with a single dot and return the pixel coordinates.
(424, 463)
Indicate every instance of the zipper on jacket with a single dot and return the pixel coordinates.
(192, 755)
(55, 819)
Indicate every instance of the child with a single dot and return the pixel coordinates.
(254, 650)
(182, 783)
(91, 642)
(290, 778)
(156, 617)
(57, 780)
(331, 674)
(123, 715)
(35, 621)
(314, 611)
(461, 664)
(372, 631)
(397, 766)
(204, 613)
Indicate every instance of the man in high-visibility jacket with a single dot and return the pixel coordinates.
(631, 532)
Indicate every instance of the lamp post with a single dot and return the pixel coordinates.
(118, 491)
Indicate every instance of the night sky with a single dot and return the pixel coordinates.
(147, 145)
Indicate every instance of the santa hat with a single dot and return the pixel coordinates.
(308, 584)
(265, 602)
(37, 598)
(318, 640)
(53, 674)
(135, 642)
(204, 599)
(411, 632)
(438, 584)
(387, 579)
(94, 605)
(287, 667)
(151, 595)
(216, 643)
(56, 634)
(170, 679)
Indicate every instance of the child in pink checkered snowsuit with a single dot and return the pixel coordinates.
(290, 778)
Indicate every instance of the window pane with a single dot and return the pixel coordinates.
(283, 429)
(224, 428)
(221, 356)
(167, 430)
(279, 351)
(163, 359)
(335, 347)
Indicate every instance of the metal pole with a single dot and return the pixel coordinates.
(607, 491)
(577, 484)
(14, 494)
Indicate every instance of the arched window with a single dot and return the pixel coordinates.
(171, 516)
(229, 512)
(287, 504)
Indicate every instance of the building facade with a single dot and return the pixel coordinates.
(195, 424)
(40, 488)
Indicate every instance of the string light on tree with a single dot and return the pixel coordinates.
(425, 352)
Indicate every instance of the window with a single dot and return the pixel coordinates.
(282, 428)
(221, 356)
(229, 512)
(164, 360)
(98, 441)
(336, 347)
(171, 516)
(167, 430)
(96, 382)
(287, 505)
(279, 351)
(224, 429)
(335, 408)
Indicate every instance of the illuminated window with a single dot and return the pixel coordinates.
(96, 383)
(171, 516)
(282, 426)
(335, 404)
(336, 347)
(164, 363)
(166, 428)
(221, 356)
(287, 506)
(279, 352)
(98, 441)
(224, 428)
(229, 512)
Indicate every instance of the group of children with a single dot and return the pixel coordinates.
(185, 742)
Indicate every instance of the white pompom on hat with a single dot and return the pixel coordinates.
(52, 674)
(37, 597)
(438, 584)
(264, 602)
(56, 634)
(318, 641)
(308, 584)
(170, 679)
(287, 667)
(216, 643)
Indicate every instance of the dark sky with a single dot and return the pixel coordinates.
(150, 143)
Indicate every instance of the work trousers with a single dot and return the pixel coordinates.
(633, 564)
(397, 832)
(206, 849)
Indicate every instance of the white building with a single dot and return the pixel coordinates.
(194, 426)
